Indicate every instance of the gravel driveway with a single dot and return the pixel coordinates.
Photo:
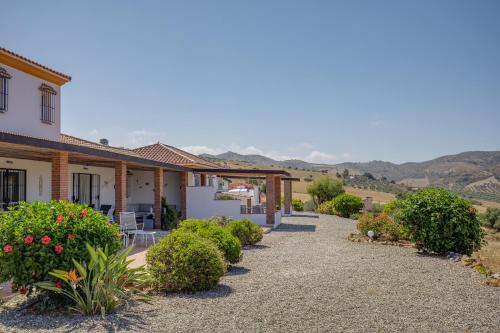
(306, 276)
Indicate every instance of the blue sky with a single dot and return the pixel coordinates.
(323, 81)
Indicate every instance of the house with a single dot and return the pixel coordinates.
(39, 163)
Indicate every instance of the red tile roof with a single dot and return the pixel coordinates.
(168, 154)
(89, 144)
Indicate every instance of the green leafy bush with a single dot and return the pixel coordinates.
(101, 285)
(491, 218)
(391, 207)
(439, 221)
(246, 231)
(347, 204)
(184, 261)
(169, 216)
(326, 208)
(222, 238)
(297, 205)
(310, 206)
(377, 208)
(324, 189)
(382, 225)
(37, 238)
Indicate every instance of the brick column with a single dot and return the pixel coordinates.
(277, 189)
(120, 188)
(60, 176)
(287, 184)
(203, 179)
(184, 184)
(158, 189)
(270, 199)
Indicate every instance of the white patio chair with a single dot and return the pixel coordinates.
(128, 224)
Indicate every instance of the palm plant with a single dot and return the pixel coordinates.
(102, 284)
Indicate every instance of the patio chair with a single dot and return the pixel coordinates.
(129, 226)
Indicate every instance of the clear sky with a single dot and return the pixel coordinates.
(323, 81)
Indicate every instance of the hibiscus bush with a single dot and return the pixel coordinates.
(37, 238)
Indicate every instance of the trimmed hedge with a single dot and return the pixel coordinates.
(297, 205)
(246, 231)
(185, 261)
(347, 204)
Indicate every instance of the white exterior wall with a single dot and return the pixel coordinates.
(172, 189)
(38, 177)
(107, 179)
(201, 204)
(24, 107)
(141, 187)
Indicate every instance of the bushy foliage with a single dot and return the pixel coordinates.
(297, 205)
(310, 206)
(222, 238)
(169, 216)
(491, 218)
(382, 225)
(439, 221)
(324, 189)
(377, 208)
(246, 231)
(326, 208)
(102, 284)
(391, 207)
(347, 204)
(184, 261)
(37, 238)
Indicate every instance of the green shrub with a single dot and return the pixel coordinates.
(491, 218)
(169, 216)
(184, 261)
(377, 208)
(101, 285)
(382, 225)
(246, 231)
(220, 220)
(222, 238)
(37, 238)
(297, 205)
(391, 207)
(439, 221)
(326, 208)
(310, 206)
(324, 189)
(225, 196)
(347, 204)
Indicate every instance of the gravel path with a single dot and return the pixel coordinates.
(307, 277)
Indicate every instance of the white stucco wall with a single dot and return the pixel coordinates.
(107, 179)
(141, 187)
(172, 189)
(38, 177)
(24, 110)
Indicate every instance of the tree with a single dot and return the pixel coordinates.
(369, 175)
(345, 174)
(338, 175)
(104, 141)
(324, 189)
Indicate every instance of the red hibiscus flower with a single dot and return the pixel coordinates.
(46, 240)
(58, 284)
(58, 248)
(84, 212)
(71, 236)
(60, 219)
(22, 290)
(28, 239)
(471, 210)
(8, 248)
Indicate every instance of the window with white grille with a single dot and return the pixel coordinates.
(48, 104)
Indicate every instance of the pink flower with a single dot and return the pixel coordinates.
(58, 248)
(84, 212)
(60, 219)
(71, 236)
(46, 240)
(8, 248)
(28, 239)
(22, 290)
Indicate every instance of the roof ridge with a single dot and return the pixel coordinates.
(96, 143)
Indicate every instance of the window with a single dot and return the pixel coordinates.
(12, 187)
(48, 104)
(4, 89)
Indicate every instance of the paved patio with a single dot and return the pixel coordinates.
(306, 276)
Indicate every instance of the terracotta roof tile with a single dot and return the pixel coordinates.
(168, 154)
(94, 145)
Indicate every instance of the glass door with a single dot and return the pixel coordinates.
(12, 187)
(86, 189)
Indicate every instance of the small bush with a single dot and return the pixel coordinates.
(297, 205)
(184, 261)
(38, 237)
(169, 216)
(225, 196)
(440, 221)
(491, 218)
(326, 208)
(246, 231)
(324, 189)
(382, 226)
(220, 220)
(310, 206)
(377, 208)
(222, 238)
(346, 204)
(391, 207)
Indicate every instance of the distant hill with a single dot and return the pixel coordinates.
(468, 172)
